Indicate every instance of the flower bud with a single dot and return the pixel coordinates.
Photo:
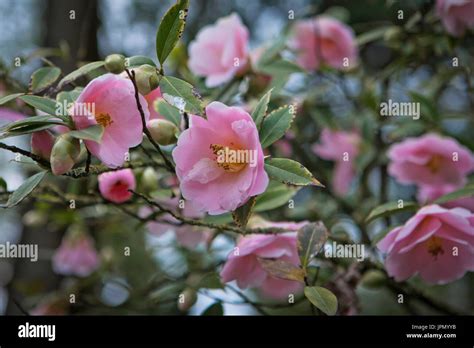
(162, 131)
(115, 63)
(42, 143)
(373, 279)
(150, 179)
(187, 299)
(146, 78)
(65, 152)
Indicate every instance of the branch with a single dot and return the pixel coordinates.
(34, 157)
(145, 129)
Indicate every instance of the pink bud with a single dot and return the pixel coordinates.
(42, 143)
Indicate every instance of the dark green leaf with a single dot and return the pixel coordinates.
(167, 111)
(3, 185)
(275, 125)
(290, 172)
(261, 109)
(44, 104)
(276, 195)
(68, 97)
(180, 94)
(83, 70)
(311, 239)
(7, 98)
(280, 66)
(322, 298)
(390, 208)
(171, 28)
(215, 309)
(242, 214)
(467, 191)
(24, 190)
(44, 78)
(93, 133)
(136, 61)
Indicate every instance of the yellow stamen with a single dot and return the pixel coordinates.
(222, 161)
(104, 120)
(435, 246)
(434, 163)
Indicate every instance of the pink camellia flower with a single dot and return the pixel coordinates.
(456, 15)
(430, 160)
(220, 51)
(151, 99)
(109, 101)
(343, 148)
(219, 161)
(243, 265)
(437, 243)
(114, 186)
(76, 256)
(186, 235)
(427, 194)
(42, 143)
(323, 40)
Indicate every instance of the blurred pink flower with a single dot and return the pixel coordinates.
(151, 99)
(243, 266)
(76, 256)
(186, 235)
(114, 185)
(112, 98)
(427, 194)
(220, 51)
(341, 147)
(456, 15)
(323, 40)
(430, 160)
(42, 143)
(214, 183)
(437, 243)
(10, 115)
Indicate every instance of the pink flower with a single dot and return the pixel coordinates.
(243, 266)
(437, 243)
(323, 40)
(109, 100)
(10, 115)
(213, 180)
(151, 99)
(76, 256)
(42, 143)
(427, 194)
(220, 51)
(456, 15)
(114, 186)
(430, 160)
(187, 235)
(343, 148)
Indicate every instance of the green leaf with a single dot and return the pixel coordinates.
(282, 269)
(242, 214)
(168, 112)
(3, 185)
(93, 133)
(261, 109)
(180, 94)
(136, 61)
(171, 29)
(29, 125)
(322, 298)
(290, 172)
(215, 309)
(210, 280)
(24, 190)
(390, 208)
(276, 195)
(372, 35)
(427, 106)
(272, 51)
(83, 70)
(7, 98)
(280, 66)
(275, 125)
(310, 241)
(43, 78)
(68, 96)
(44, 104)
(467, 191)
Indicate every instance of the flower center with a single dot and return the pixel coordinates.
(103, 119)
(435, 163)
(435, 246)
(230, 159)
